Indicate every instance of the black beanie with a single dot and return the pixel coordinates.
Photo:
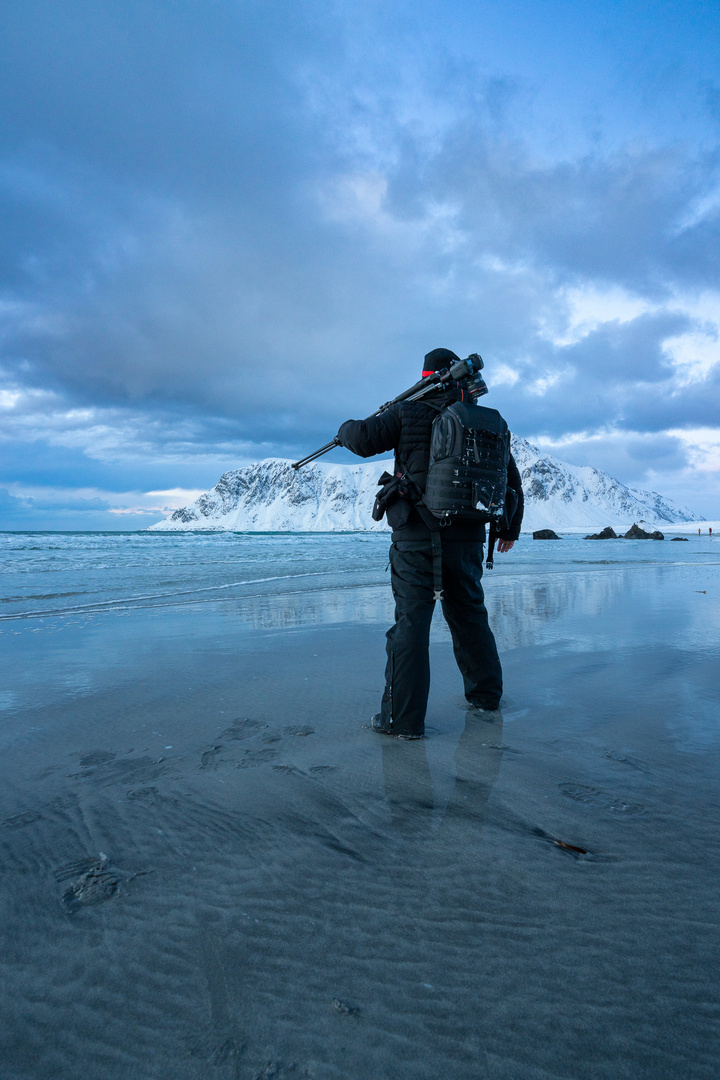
(438, 359)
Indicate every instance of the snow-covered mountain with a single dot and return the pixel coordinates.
(270, 496)
(561, 495)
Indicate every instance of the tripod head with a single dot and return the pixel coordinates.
(465, 372)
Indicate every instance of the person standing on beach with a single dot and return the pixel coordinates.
(405, 427)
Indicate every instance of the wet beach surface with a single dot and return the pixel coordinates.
(212, 868)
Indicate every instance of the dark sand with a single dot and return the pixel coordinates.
(283, 893)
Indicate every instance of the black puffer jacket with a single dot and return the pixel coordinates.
(405, 428)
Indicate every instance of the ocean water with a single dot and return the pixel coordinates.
(82, 611)
(64, 575)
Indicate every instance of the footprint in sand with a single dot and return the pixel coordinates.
(583, 793)
(580, 792)
(104, 767)
(622, 806)
(209, 759)
(254, 758)
(97, 757)
(242, 728)
(624, 759)
(88, 882)
(18, 820)
(150, 796)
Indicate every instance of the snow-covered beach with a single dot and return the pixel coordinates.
(204, 843)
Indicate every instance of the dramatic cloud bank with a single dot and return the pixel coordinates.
(229, 226)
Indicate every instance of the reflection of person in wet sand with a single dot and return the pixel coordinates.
(478, 757)
(477, 764)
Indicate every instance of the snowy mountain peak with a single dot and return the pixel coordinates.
(271, 496)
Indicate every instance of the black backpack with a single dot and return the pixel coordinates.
(467, 474)
(466, 479)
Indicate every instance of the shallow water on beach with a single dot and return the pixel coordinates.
(212, 868)
(83, 611)
(51, 574)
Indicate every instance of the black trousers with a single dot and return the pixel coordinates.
(407, 674)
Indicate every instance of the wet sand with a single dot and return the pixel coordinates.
(212, 868)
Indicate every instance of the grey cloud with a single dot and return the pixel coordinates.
(694, 405)
(630, 456)
(173, 255)
(629, 351)
(610, 218)
(65, 513)
(580, 405)
(617, 375)
(10, 502)
(14, 504)
(82, 506)
(165, 90)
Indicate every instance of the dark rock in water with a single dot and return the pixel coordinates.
(606, 534)
(679, 538)
(545, 534)
(636, 533)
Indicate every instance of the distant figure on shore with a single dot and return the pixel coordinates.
(420, 555)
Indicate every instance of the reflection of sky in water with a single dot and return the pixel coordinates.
(93, 634)
(616, 608)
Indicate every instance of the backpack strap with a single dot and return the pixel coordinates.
(434, 526)
(489, 563)
(436, 541)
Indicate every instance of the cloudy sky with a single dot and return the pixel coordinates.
(228, 225)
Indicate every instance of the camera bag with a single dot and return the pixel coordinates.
(467, 474)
